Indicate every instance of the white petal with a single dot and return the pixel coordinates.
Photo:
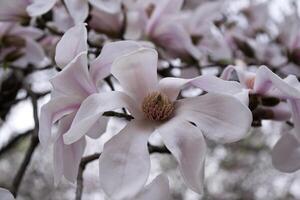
(286, 153)
(187, 144)
(295, 108)
(101, 66)
(266, 80)
(208, 83)
(158, 189)
(35, 54)
(78, 9)
(67, 157)
(221, 117)
(136, 73)
(53, 111)
(75, 79)
(98, 128)
(125, 162)
(93, 108)
(5, 194)
(40, 7)
(13, 10)
(73, 42)
(136, 21)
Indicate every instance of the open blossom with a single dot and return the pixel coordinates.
(264, 82)
(125, 161)
(19, 46)
(71, 87)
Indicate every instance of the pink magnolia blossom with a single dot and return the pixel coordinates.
(71, 87)
(286, 152)
(19, 45)
(125, 161)
(5, 194)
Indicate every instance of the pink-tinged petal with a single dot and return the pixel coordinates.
(107, 6)
(286, 153)
(175, 39)
(164, 7)
(73, 42)
(67, 157)
(98, 128)
(187, 144)
(124, 164)
(78, 9)
(136, 73)
(26, 32)
(6, 195)
(93, 108)
(74, 79)
(13, 10)
(221, 117)
(158, 189)
(40, 7)
(172, 86)
(101, 66)
(245, 77)
(54, 110)
(266, 81)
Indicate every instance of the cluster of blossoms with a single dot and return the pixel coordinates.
(140, 45)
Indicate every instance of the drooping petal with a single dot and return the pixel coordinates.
(93, 108)
(74, 79)
(73, 42)
(53, 111)
(286, 153)
(124, 164)
(136, 73)
(67, 157)
(221, 117)
(35, 54)
(101, 66)
(158, 189)
(6, 195)
(78, 9)
(187, 144)
(40, 7)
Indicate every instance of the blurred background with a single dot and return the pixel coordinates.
(238, 171)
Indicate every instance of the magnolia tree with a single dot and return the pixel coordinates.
(182, 77)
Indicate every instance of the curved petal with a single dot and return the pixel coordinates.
(67, 157)
(93, 108)
(54, 110)
(40, 7)
(286, 153)
(187, 144)
(35, 54)
(266, 81)
(5, 194)
(295, 109)
(75, 78)
(158, 189)
(124, 164)
(101, 66)
(78, 9)
(73, 42)
(208, 83)
(136, 72)
(98, 128)
(221, 117)
(135, 24)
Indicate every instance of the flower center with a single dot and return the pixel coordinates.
(157, 106)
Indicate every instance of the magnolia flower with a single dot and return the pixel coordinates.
(125, 161)
(71, 87)
(5, 194)
(264, 82)
(19, 46)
